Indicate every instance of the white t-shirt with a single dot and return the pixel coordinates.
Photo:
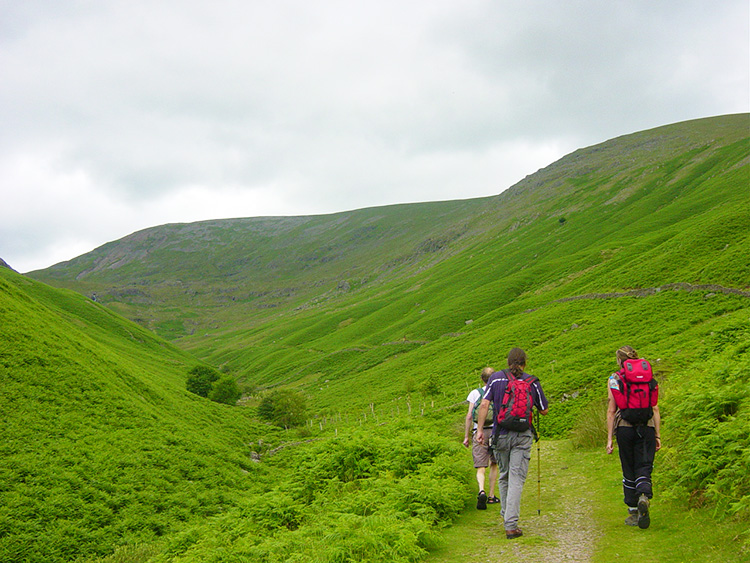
(474, 397)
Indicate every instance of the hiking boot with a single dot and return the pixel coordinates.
(482, 501)
(513, 534)
(644, 520)
(632, 519)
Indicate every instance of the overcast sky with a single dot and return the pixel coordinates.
(117, 115)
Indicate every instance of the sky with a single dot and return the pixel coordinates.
(119, 115)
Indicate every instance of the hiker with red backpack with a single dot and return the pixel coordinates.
(513, 393)
(633, 418)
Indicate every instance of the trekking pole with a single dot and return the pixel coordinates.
(538, 465)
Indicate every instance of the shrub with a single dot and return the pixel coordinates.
(200, 380)
(430, 388)
(283, 408)
(225, 390)
(207, 382)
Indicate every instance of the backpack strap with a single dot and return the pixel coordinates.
(626, 389)
(482, 392)
(506, 396)
(532, 379)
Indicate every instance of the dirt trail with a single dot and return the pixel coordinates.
(564, 530)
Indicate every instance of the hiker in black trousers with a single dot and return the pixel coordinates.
(637, 444)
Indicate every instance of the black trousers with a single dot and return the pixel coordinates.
(637, 446)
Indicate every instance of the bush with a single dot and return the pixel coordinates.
(225, 390)
(207, 382)
(200, 380)
(283, 408)
(430, 388)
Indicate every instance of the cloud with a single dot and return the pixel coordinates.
(122, 115)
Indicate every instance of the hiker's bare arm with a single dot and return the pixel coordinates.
(467, 425)
(611, 410)
(657, 427)
(481, 416)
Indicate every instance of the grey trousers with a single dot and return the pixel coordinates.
(512, 452)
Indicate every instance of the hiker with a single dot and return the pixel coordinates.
(513, 393)
(481, 453)
(638, 438)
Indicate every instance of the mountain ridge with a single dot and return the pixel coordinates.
(320, 253)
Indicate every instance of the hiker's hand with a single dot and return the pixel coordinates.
(466, 442)
(658, 444)
(610, 447)
(480, 436)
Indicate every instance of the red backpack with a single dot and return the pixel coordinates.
(638, 392)
(515, 411)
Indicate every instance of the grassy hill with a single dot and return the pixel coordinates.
(641, 189)
(383, 318)
(102, 445)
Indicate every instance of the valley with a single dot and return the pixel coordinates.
(381, 320)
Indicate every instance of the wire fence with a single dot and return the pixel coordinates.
(398, 407)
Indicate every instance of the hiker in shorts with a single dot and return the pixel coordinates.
(482, 455)
(637, 441)
(512, 448)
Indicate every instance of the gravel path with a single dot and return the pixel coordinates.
(563, 531)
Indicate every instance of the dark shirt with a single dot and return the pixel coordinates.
(496, 386)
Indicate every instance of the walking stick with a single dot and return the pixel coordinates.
(538, 466)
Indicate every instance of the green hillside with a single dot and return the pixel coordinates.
(102, 445)
(382, 318)
(636, 192)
